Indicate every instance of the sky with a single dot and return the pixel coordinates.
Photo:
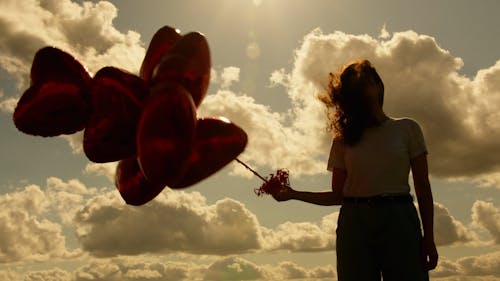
(62, 219)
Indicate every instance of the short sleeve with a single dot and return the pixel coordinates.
(416, 142)
(336, 158)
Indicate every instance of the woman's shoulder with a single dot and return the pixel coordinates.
(404, 121)
(407, 126)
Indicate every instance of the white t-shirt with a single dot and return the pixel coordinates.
(379, 164)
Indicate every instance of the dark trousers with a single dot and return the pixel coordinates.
(377, 240)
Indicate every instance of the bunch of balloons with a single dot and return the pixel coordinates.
(148, 122)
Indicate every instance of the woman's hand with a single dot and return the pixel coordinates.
(285, 193)
(429, 254)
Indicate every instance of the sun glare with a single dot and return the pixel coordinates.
(257, 2)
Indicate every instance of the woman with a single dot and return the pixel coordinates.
(378, 231)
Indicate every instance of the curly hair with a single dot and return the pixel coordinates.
(352, 111)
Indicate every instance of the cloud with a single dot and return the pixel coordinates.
(384, 33)
(423, 82)
(84, 30)
(481, 267)
(486, 215)
(117, 269)
(7, 105)
(267, 135)
(228, 76)
(174, 221)
(75, 141)
(55, 274)
(9, 275)
(34, 220)
(141, 268)
(445, 268)
(279, 77)
(291, 271)
(234, 268)
(448, 230)
(26, 234)
(66, 198)
(237, 268)
(488, 264)
(126, 269)
(102, 169)
(303, 236)
(178, 221)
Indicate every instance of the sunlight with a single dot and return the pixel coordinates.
(257, 2)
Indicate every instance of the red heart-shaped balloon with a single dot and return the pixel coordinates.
(217, 142)
(54, 65)
(187, 63)
(116, 99)
(161, 43)
(134, 188)
(136, 86)
(165, 133)
(57, 101)
(51, 109)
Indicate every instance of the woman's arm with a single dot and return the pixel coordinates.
(426, 207)
(325, 198)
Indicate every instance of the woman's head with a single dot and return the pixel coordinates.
(356, 91)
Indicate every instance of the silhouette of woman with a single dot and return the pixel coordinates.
(378, 230)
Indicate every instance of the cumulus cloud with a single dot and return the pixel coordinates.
(75, 141)
(267, 135)
(26, 234)
(481, 267)
(290, 270)
(486, 215)
(234, 268)
(178, 221)
(66, 198)
(445, 268)
(55, 274)
(102, 169)
(9, 275)
(237, 268)
(139, 269)
(125, 269)
(174, 221)
(488, 264)
(34, 220)
(117, 269)
(279, 77)
(85, 30)
(7, 105)
(303, 236)
(448, 230)
(229, 75)
(422, 80)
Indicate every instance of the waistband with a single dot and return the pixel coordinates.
(378, 200)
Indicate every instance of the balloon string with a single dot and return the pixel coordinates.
(251, 170)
